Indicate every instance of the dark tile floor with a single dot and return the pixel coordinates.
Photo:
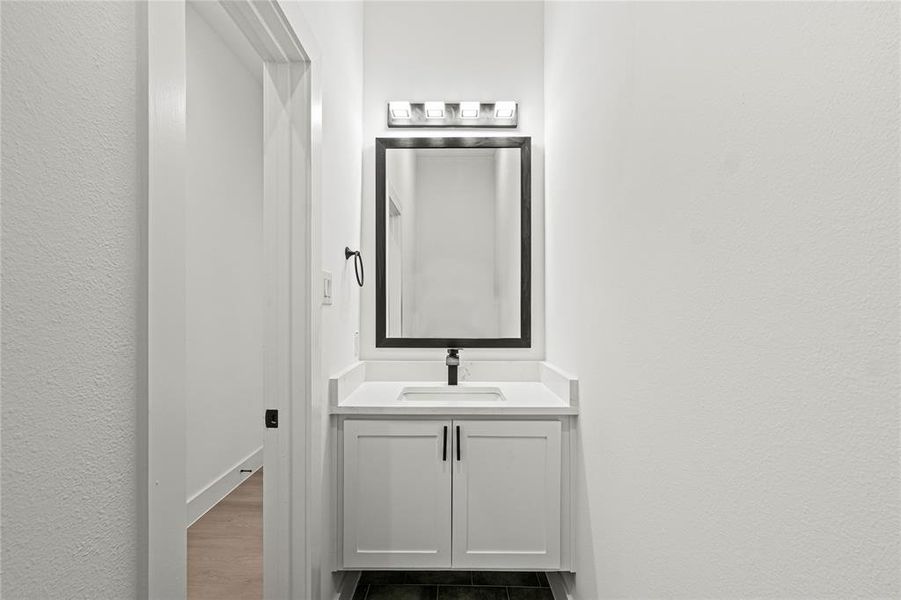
(452, 585)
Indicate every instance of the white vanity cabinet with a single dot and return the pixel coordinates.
(397, 493)
(506, 495)
(462, 493)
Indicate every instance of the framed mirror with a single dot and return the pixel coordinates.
(453, 242)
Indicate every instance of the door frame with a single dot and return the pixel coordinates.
(292, 105)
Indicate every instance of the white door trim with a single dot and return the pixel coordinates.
(292, 113)
(166, 534)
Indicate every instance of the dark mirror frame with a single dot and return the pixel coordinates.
(525, 286)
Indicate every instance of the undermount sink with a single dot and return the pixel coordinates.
(451, 393)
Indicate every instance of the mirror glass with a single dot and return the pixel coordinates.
(453, 249)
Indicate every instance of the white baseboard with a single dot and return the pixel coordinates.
(558, 586)
(211, 495)
(348, 585)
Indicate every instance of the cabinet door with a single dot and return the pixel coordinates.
(507, 495)
(397, 494)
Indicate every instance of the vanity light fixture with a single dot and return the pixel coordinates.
(469, 110)
(437, 114)
(400, 110)
(504, 110)
(434, 110)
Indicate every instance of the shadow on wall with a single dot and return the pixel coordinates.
(586, 581)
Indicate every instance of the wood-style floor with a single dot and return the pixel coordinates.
(225, 547)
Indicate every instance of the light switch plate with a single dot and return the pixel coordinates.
(326, 287)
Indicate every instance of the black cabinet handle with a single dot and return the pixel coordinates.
(458, 443)
(444, 450)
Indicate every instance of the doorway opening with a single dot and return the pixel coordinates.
(224, 296)
(233, 140)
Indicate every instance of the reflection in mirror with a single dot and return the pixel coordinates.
(452, 236)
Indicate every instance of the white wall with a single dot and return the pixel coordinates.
(338, 28)
(454, 51)
(723, 275)
(73, 287)
(224, 287)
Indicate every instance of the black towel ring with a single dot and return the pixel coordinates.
(358, 263)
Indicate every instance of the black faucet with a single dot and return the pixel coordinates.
(452, 361)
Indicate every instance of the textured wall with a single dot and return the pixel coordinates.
(71, 272)
(723, 275)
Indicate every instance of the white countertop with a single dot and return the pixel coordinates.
(520, 398)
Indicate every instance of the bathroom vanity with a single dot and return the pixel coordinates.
(474, 476)
(456, 464)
